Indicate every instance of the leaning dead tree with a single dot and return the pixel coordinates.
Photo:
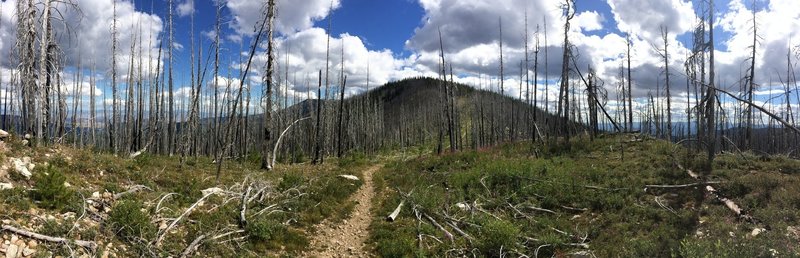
(233, 111)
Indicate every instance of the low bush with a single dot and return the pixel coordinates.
(50, 191)
(130, 223)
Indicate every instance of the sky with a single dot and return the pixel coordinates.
(398, 39)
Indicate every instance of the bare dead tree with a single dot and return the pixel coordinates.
(664, 53)
(711, 101)
(563, 99)
(751, 82)
(265, 158)
(502, 77)
(628, 42)
(171, 108)
(225, 146)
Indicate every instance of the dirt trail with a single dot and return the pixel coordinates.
(346, 239)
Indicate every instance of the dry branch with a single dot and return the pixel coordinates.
(762, 109)
(133, 189)
(278, 142)
(86, 244)
(681, 186)
(396, 212)
(193, 246)
(728, 202)
(437, 225)
(227, 234)
(184, 214)
(459, 231)
(541, 209)
(242, 218)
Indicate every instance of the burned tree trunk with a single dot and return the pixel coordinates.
(265, 164)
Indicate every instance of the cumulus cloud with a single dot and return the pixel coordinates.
(185, 8)
(84, 34)
(645, 17)
(304, 53)
(293, 15)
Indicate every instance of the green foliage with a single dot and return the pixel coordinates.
(708, 248)
(15, 198)
(50, 191)
(52, 227)
(353, 159)
(269, 234)
(263, 230)
(290, 180)
(390, 242)
(497, 234)
(585, 174)
(131, 224)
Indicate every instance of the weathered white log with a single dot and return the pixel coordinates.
(541, 209)
(193, 246)
(437, 225)
(688, 171)
(243, 210)
(459, 231)
(133, 189)
(82, 243)
(227, 234)
(136, 154)
(728, 202)
(349, 177)
(184, 214)
(280, 137)
(396, 212)
(681, 186)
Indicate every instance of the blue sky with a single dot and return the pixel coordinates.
(399, 39)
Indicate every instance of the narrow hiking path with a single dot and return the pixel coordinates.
(347, 238)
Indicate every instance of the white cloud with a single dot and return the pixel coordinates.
(645, 17)
(185, 8)
(291, 15)
(85, 34)
(306, 57)
(589, 21)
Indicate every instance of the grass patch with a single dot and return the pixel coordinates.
(592, 189)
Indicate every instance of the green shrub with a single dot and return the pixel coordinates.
(271, 234)
(52, 227)
(290, 180)
(50, 190)
(496, 234)
(16, 198)
(129, 222)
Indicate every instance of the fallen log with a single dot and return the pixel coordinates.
(184, 214)
(437, 225)
(82, 243)
(728, 202)
(681, 186)
(132, 190)
(396, 212)
(243, 210)
(193, 246)
(459, 231)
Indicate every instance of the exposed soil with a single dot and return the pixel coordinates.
(347, 238)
